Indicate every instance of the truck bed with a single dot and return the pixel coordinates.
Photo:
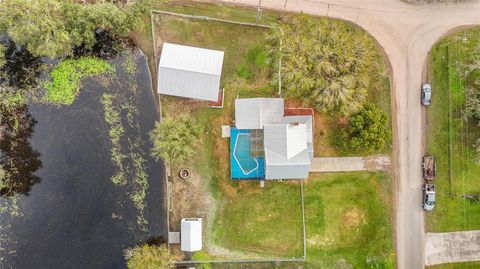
(429, 166)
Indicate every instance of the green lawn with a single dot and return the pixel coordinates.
(463, 265)
(348, 220)
(452, 212)
(267, 222)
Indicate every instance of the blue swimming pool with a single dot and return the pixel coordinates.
(243, 164)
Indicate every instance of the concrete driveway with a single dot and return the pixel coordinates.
(406, 32)
(348, 164)
(452, 247)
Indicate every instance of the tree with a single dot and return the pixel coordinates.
(366, 130)
(325, 63)
(174, 139)
(149, 257)
(52, 27)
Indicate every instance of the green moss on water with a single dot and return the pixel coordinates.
(64, 83)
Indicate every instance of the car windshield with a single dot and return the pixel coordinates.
(427, 95)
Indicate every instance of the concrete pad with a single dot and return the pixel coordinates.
(225, 131)
(337, 164)
(173, 237)
(452, 247)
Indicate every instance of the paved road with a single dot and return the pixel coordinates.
(347, 164)
(406, 32)
(452, 247)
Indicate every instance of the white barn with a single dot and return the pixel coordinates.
(190, 72)
(191, 234)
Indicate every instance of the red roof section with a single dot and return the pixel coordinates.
(293, 111)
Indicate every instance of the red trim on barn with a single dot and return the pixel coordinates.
(219, 102)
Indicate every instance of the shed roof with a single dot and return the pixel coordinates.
(191, 234)
(190, 72)
(253, 113)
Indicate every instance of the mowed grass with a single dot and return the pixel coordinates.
(452, 212)
(463, 265)
(268, 221)
(348, 220)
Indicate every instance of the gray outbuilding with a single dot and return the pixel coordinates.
(190, 72)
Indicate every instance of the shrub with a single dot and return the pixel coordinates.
(149, 257)
(366, 131)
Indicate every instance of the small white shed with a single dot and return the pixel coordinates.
(190, 72)
(191, 234)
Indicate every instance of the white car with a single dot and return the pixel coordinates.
(428, 202)
(426, 94)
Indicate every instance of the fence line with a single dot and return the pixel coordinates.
(303, 224)
(209, 19)
(304, 258)
(240, 261)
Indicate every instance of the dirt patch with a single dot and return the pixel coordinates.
(378, 163)
(353, 218)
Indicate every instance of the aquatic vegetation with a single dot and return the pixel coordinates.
(122, 115)
(65, 78)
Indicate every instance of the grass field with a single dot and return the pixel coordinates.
(264, 222)
(268, 221)
(463, 265)
(348, 220)
(452, 212)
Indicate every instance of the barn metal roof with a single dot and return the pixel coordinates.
(190, 72)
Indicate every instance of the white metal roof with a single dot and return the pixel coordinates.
(253, 113)
(287, 140)
(278, 167)
(190, 72)
(191, 234)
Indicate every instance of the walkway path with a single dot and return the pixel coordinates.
(452, 247)
(347, 164)
(406, 32)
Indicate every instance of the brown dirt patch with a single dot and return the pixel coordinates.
(353, 218)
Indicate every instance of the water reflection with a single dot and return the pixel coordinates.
(22, 69)
(18, 160)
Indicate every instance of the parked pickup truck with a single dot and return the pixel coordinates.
(429, 166)
(428, 197)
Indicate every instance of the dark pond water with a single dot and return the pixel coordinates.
(73, 215)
